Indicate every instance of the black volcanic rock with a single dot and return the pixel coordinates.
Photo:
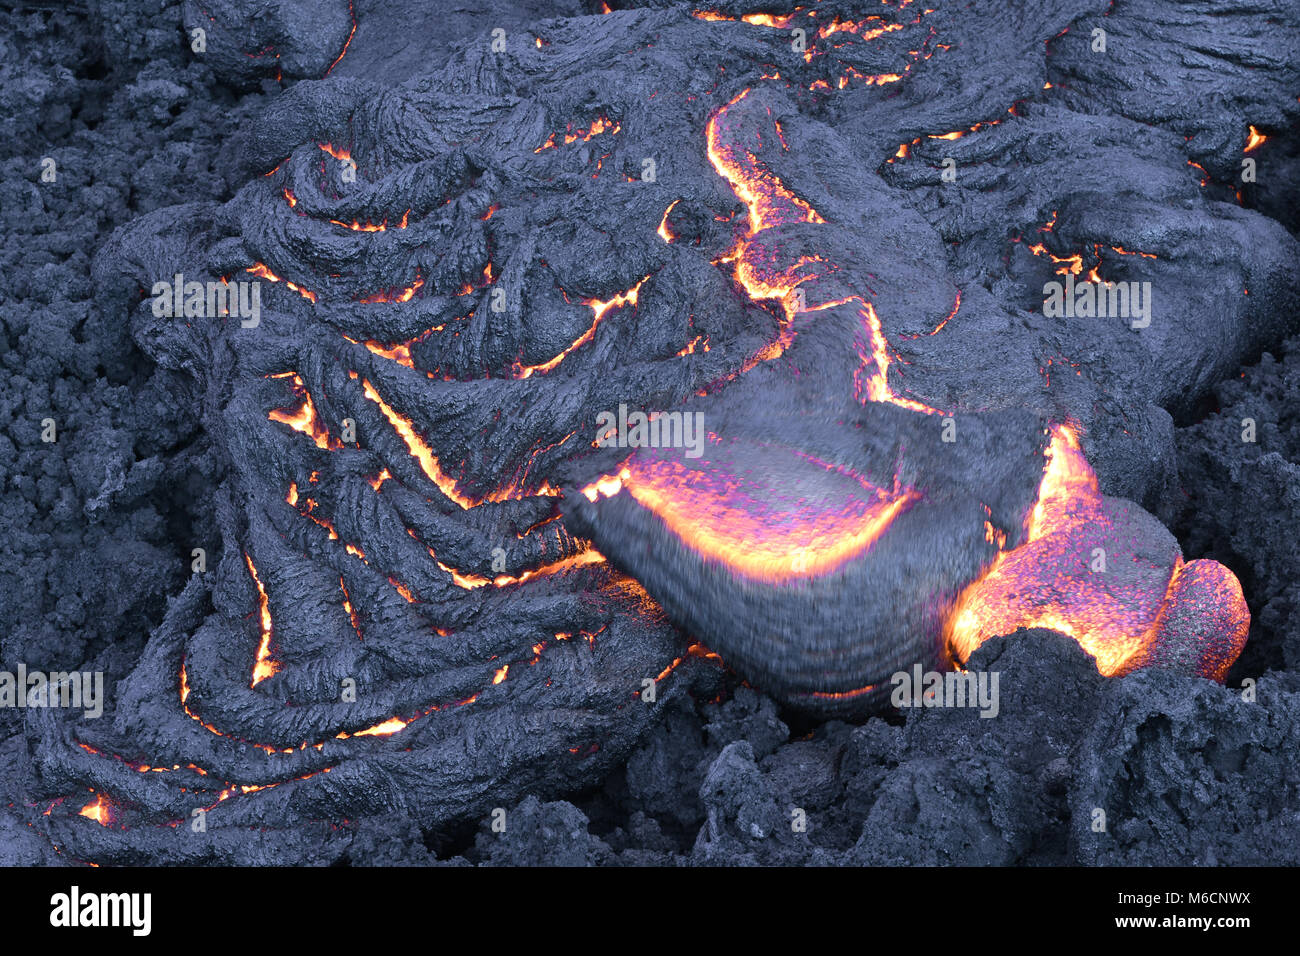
(1226, 477)
(1183, 778)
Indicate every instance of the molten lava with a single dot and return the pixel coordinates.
(99, 810)
(763, 524)
(1054, 581)
(760, 526)
(430, 464)
(264, 666)
(260, 270)
(600, 308)
(304, 419)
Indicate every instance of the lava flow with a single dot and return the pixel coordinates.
(760, 525)
(1083, 573)
(769, 204)
(1098, 570)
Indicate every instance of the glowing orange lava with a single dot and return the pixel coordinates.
(432, 467)
(1048, 582)
(769, 202)
(264, 666)
(260, 270)
(304, 420)
(663, 230)
(346, 43)
(875, 386)
(99, 810)
(763, 530)
(390, 726)
(471, 581)
(395, 295)
(600, 308)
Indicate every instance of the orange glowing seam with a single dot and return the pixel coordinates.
(405, 295)
(1125, 252)
(1257, 139)
(600, 310)
(1068, 264)
(264, 666)
(768, 20)
(876, 388)
(696, 649)
(403, 590)
(184, 696)
(260, 270)
(304, 419)
(370, 226)
(347, 606)
(859, 28)
(956, 306)
(600, 125)
(395, 724)
(430, 465)
(399, 353)
(663, 231)
(135, 765)
(1074, 264)
(767, 199)
(843, 695)
(700, 341)
(418, 448)
(769, 203)
(307, 512)
(390, 726)
(347, 42)
(471, 581)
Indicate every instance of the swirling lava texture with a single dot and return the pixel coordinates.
(436, 595)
